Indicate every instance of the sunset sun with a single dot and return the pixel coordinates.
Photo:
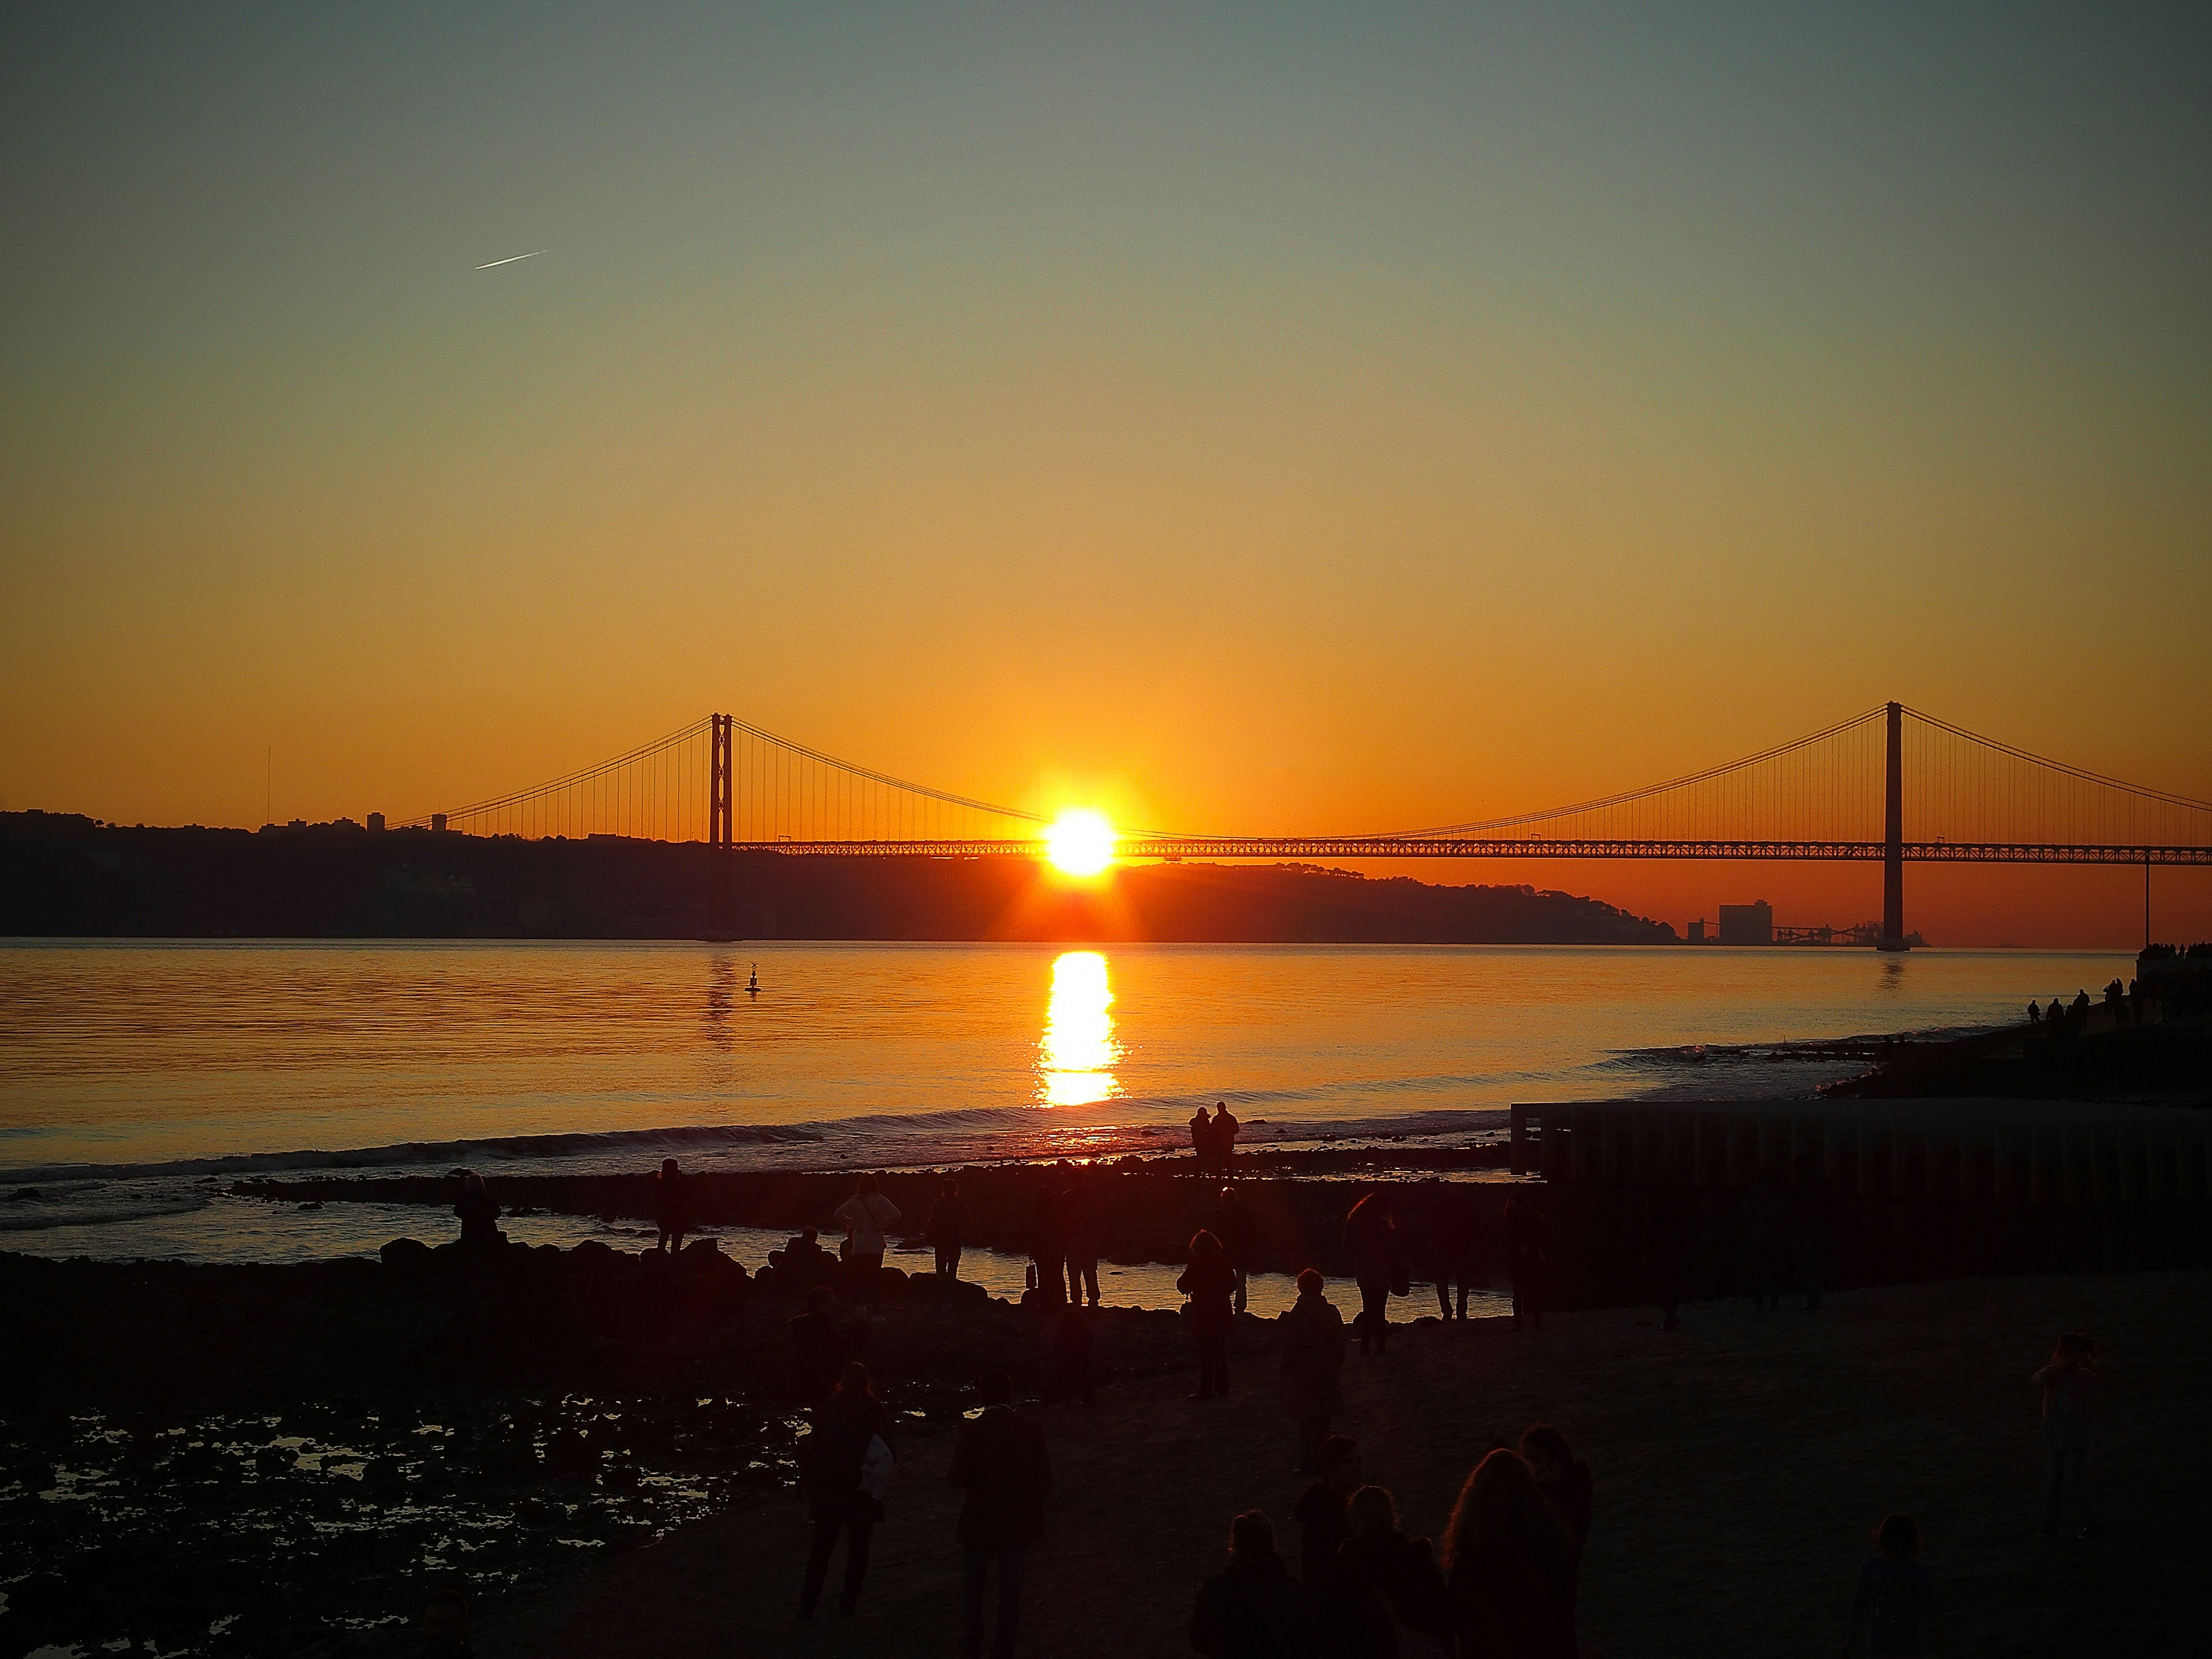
(1080, 842)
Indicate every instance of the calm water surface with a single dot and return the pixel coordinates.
(157, 1062)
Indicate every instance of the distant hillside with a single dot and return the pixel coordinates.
(64, 875)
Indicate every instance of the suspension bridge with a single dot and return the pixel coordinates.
(1891, 785)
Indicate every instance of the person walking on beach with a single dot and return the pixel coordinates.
(1000, 1462)
(1209, 1283)
(866, 1217)
(1314, 1346)
(670, 1208)
(1508, 1567)
(1371, 1238)
(1813, 1214)
(1079, 1218)
(1323, 1513)
(1667, 1249)
(1893, 1595)
(2068, 1385)
(1397, 1576)
(1526, 1254)
(1253, 1610)
(1456, 1243)
(833, 1459)
(947, 1228)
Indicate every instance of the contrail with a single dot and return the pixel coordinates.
(512, 257)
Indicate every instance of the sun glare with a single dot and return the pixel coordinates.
(1080, 843)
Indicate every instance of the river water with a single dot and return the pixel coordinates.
(137, 1077)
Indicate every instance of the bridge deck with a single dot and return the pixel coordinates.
(1384, 846)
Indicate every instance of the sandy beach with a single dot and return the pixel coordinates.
(1739, 1463)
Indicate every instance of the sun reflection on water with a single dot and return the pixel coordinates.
(1076, 1056)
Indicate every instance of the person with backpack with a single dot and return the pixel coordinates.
(835, 1461)
(1311, 1359)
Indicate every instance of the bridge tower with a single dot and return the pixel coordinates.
(718, 800)
(1892, 858)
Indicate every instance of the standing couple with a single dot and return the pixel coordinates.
(1214, 1138)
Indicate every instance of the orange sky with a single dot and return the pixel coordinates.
(1265, 422)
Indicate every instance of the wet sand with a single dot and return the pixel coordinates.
(1739, 1463)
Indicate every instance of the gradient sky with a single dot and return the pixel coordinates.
(1267, 418)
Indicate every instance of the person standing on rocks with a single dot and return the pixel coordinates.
(478, 1213)
(1209, 1283)
(1455, 1242)
(670, 1210)
(1048, 1244)
(1232, 1225)
(1371, 1238)
(1079, 1217)
(1224, 1132)
(866, 1217)
(1201, 1140)
(832, 1459)
(1000, 1462)
(1314, 1346)
(948, 1229)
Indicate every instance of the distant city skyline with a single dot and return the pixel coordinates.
(1271, 420)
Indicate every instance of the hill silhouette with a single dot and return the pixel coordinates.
(63, 875)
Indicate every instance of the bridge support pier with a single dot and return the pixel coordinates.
(1892, 859)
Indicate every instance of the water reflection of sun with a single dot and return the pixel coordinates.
(1076, 1056)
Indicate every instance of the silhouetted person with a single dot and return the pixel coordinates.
(1770, 1238)
(1813, 1215)
(1254, 1610)
(1562, 1478)
(1667, 1248)
(2135, 1002)
(1455, 1242)
(1080, 1219)
(1209, 1283)
(832, 1460)
(2034, 1012)
(1223, 1135)
(948, 1229)
(1000, 1462)
(1394, 1575)
(446, 1625)
(1201, 1140)
(1323, 1513)
(1894, 1595)
(479, 1215)
(1073, 1373)
(1048, 1246)
(866, 1217)
(1232, 1225)
(2069, 1385)
(1314, 1346)
(670, 1213)
(1371, 1238)
(803, 1260)
(1527, 1254)
(2080, 1012)
(2055, 1021)
(1509, 1566)
(821, 1346)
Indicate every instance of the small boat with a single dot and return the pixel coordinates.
(752, 984)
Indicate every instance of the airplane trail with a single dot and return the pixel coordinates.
(512, 257)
